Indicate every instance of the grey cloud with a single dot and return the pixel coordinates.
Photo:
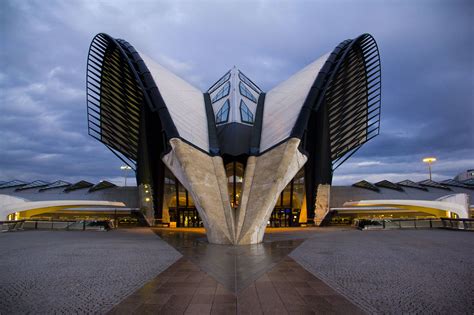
(426, 49)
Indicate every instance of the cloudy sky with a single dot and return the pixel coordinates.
(427, 73)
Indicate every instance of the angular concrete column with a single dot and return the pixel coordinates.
(265, 178)
(322, 206)
(204, 178)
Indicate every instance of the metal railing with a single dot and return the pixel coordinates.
(72, 225)
(430, 223)
(459, 224)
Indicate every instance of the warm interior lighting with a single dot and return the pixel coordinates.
(147, 199)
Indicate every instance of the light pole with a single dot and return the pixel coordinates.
(429, 160)
(125, 168)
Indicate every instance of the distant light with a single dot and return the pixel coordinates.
(146, 191)
(147, 199)
(429, 160)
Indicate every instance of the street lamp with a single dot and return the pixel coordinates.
(429, 160)
(125, 168)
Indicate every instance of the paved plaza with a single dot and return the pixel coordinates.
(395, 271)
(295, 271)
(47, 272)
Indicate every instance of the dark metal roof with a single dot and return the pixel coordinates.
(455, 183)
(387, 184)
(13, 183)
(102, 185)
(469, 182)
(35, 184)
(79, 185)
(432, 183)
(56, 184)
(411, 184)
(365, 184)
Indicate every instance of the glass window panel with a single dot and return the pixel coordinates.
(247, 81)
(221, 81)
(298, 189)
(235, 174)
(246, 93)
(222, 92)
(245, 113)
(223, 114)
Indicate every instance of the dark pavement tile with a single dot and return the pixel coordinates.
(158, 298)
(287, 288)
(202, 298)
(198, 309)
(225, 299)
(224, 309)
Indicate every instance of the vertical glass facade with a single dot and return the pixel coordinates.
(235, 175)
(179, 206)
(288, 207)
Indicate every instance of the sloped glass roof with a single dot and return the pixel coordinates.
(13, 183)
(79, 185)
(35, 184)
(56, 184)
(102, 185)
(366, 185)
(431, 183)
(388, 184)
(411, 184)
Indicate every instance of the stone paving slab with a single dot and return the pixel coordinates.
(287, 288)
(71, 272)
(235, 267)
(396, 271)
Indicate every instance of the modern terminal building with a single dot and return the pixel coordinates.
(235, 151)
(234, 158)
(60, 200)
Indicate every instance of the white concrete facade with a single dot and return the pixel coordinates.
(283, 104)
(185, 104)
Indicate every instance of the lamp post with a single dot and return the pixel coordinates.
(125, 168)
(429, 160)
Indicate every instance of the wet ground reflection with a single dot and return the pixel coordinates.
(234, 266)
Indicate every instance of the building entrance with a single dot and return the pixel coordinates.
(185, 217)
(284, 217)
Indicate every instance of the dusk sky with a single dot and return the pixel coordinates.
(426, 48)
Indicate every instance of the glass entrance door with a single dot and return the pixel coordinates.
(188, 217)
